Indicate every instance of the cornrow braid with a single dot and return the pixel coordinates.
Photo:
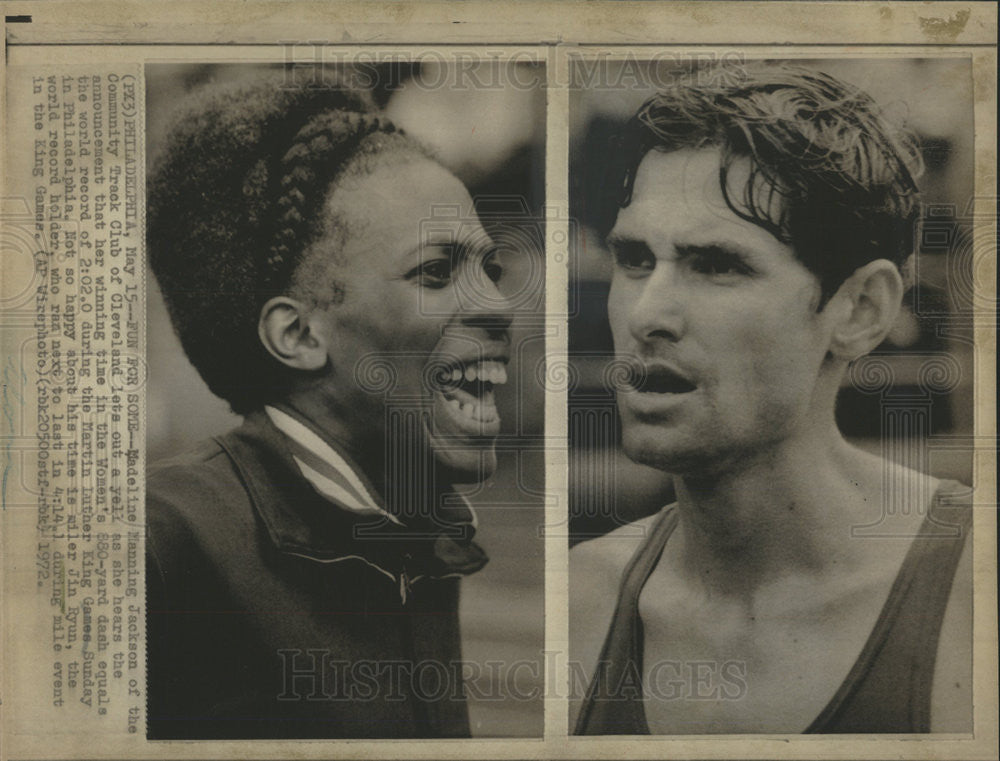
(328, 140)
(235, 199)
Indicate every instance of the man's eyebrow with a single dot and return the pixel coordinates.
(716, 244)
(712, 241)
(618, 243)
(614, 238)
(617, 239)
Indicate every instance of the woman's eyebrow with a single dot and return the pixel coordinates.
(417, 252)
(481, 246)
(457, 250)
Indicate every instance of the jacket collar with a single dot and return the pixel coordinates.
(300, 521)
(329, 470)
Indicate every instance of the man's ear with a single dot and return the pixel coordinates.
(865, 308)
(285, 332)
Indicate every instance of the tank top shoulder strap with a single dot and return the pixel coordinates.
(614, 700)
(889, 688)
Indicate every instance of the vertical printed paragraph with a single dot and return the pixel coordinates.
(82, 360)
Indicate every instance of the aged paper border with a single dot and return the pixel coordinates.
(62, 32)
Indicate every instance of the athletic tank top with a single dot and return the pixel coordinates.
(888, 690)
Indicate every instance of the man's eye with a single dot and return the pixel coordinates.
(634, 258)
(435, 273)
(713, 261)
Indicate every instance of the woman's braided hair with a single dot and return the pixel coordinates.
(829, 176)
(235, 198)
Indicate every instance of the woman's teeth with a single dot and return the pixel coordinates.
(468, 390)
(485, 372)
(489, 372)
(481, 410)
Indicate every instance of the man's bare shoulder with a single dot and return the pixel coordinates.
(951, 695)
(595, 573)
(612, 551)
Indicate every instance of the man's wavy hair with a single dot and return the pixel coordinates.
(829, 176)
(235, 198)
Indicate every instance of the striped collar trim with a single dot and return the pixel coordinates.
(326, 470)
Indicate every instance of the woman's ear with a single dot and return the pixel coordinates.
(865, 308)
(284, 330)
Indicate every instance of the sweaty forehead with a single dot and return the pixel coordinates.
(679, 194)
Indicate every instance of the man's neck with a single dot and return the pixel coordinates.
(787, 514)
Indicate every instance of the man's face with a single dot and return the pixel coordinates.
(719, 317)
(421, 338)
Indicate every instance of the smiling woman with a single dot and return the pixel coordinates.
(303, 569)
(417, 310)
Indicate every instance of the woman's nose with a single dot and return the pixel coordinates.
(484, 305)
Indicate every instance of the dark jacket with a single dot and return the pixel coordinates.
(269, 617)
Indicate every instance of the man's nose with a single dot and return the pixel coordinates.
(657, 311)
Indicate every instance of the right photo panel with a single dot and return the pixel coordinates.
(771, 425)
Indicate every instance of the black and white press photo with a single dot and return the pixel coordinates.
(771, 472)
(490, 380)
(342, 496)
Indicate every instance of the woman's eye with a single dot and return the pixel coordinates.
(493, 268)
(435, 273)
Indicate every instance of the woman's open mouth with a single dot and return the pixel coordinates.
(464, 397)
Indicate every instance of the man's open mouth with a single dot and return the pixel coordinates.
(467, 391)
(659, 379)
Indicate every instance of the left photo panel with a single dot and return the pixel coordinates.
(345, 314)
(273, 438)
